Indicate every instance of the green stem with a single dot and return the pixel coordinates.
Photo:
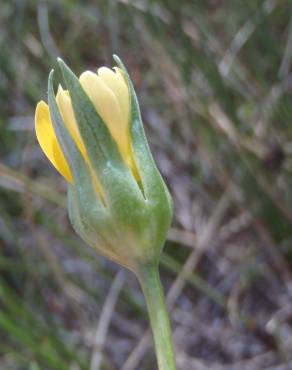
(154, 296)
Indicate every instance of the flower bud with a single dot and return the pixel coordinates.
(93, 135)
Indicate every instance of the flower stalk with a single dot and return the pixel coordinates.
(153, 292)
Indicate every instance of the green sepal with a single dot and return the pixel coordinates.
(82, 178)
(155, 189)
(103, 152)
(151, 177)
(94, 226)
(96, 137)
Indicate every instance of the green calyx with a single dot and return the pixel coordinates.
(129, 223)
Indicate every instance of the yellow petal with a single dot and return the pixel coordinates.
(116, 82)
(107, 106)
(66, 110)
(65, 106)
(48, 141)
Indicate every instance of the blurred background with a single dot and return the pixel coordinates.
(214, 81)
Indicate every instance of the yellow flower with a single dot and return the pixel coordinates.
(109, 93)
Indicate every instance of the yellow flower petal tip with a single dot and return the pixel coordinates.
(48, 141)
